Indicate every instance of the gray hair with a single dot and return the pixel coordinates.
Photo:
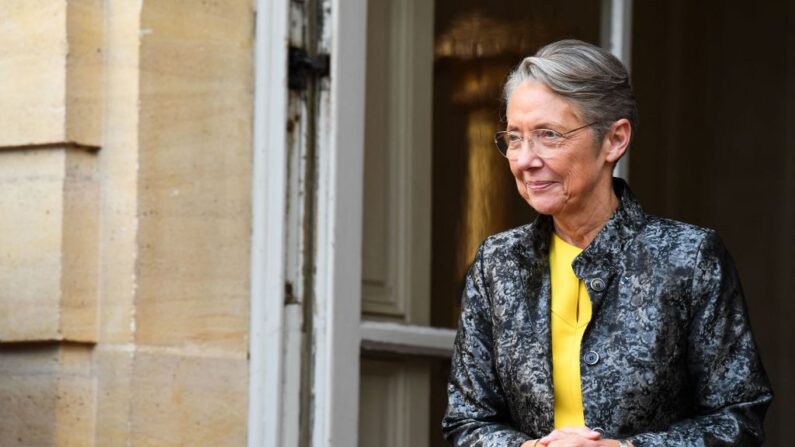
(588, 77)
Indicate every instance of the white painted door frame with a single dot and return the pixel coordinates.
(266, 405)
(340, 142)
(273, 371)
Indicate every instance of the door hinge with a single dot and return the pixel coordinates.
(289, 296)
(302, 66)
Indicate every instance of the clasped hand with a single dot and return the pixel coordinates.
(572, 437)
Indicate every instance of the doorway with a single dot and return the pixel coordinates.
(435, 186)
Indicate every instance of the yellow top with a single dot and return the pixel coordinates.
(571, 312)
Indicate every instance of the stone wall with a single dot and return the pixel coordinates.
(125, 164)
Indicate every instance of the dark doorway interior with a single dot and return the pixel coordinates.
(715, 83)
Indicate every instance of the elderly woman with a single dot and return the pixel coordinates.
(597, 324)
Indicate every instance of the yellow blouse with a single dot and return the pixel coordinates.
(571, 312)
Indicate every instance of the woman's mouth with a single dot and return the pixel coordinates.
(538, 185)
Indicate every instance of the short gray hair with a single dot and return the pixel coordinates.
(589, 77)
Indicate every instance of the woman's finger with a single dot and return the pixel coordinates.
(553, 436)
(572, 440)
(582, 431)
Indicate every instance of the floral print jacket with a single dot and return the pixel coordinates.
(667, 359)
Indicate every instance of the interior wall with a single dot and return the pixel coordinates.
(715, 84)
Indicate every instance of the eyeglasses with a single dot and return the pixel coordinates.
(546, 142)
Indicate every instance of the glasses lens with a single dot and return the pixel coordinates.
(501, 142)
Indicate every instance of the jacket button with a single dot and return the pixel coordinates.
(591, 358)
(597, 284)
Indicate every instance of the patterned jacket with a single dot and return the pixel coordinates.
(667, 359)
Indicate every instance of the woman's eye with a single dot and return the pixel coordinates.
(548, 134)
(514, 138)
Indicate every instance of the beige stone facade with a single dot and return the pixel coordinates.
(125, 173)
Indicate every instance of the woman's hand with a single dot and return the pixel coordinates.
(572, 437)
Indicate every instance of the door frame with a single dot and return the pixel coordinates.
(338, 282)
(616, 36)
(275, 368)
(266, 404)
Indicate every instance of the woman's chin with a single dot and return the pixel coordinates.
(543, 206)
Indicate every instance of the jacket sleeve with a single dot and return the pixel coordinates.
(730, 386)
(477, 414)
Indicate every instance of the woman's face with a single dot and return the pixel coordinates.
(561, 184)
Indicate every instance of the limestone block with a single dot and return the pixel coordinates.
(48, 265)
(76, 397)
(182, 399)
(51, 72)
(113, 367)
(194, 208)
(47, 395)
(28, 386)
(118, 169)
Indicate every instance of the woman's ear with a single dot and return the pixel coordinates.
(617, 139)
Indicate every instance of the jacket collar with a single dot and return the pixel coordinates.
(605, 252)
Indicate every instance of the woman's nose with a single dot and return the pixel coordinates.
(527, 157)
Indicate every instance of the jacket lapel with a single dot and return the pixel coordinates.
(603, 260)
(534, 252)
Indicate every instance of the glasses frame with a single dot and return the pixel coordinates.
(532, 139)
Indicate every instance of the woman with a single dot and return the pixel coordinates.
(596, 325)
